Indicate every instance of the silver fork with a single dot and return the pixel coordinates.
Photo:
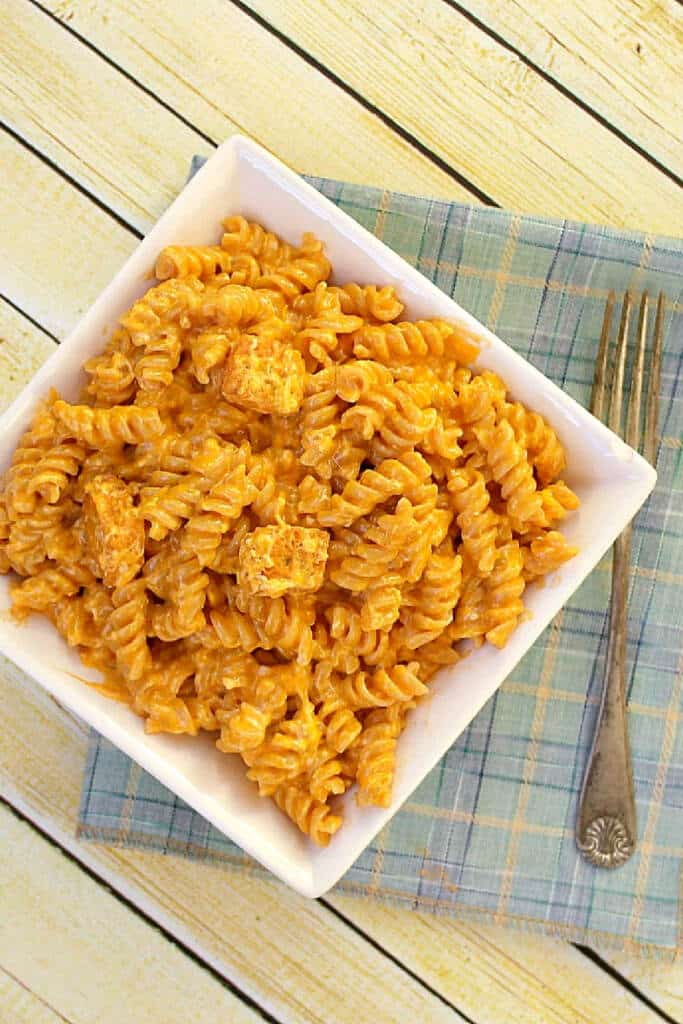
(606, 820)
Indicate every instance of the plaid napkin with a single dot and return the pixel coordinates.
(490, 832)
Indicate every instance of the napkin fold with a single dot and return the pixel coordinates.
(490, 832)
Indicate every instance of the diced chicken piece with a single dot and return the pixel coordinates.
(276, 559)
(114, 530)
(264, 375)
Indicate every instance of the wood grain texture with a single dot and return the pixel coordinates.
(661, 982)
(79, 949)
(76, 109)
(23, 350)
(527, 977)
(477, 106)
(21, 1006)
(230, 77)
(58, 250)
(624, 58)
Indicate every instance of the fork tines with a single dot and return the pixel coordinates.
(610, 409)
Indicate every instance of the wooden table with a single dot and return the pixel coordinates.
(569, 109)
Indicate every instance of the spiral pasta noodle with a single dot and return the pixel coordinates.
(245, 238)
(476, 520)
(322, 337)
(395, 344)
(278, 509)
(201, 261)
(100, 428)
(370, 302)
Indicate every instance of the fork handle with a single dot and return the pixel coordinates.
(606, 823)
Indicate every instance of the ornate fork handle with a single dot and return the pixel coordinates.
(606, 820)
(606, 825)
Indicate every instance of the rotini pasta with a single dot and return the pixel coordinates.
(325, 326)
(377, 754)
(369, 302)
(242, 238)
(112, 375)
(101, 428)
(476, 520)
(201, 261)
(278, 510)
(428, 604)
(395, 344)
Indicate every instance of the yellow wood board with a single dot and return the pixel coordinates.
(22, 1006)
(476, 105)
(78, 948)
(229, 77)
(624, 58)
(57, 249)
(113, 138)
(660, 981)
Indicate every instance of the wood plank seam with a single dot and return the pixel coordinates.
(386, 119)
(122, 71)
(71, 180)
(67, 844)
(556, 84)
(139, 912)
(70, 855)
(27, 316)
(48, 1006)
(137, 65)
(394, 959)
(480, 109)
(75, 947)
(620, 57)
(628, 985)
(152, 49)
(37, 56)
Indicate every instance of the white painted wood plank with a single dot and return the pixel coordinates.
(113, 138)
(23, 350)
(622, 57)
(662, 982)
(57, 249)
(497, 974)
(85, 953)
(231, 76)
(476, 105)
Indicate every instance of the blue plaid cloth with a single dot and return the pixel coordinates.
(490, 832)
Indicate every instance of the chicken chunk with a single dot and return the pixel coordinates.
(264, 375)
(114, 530)
(277, 559)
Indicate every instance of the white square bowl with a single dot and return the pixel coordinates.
(612, 480)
